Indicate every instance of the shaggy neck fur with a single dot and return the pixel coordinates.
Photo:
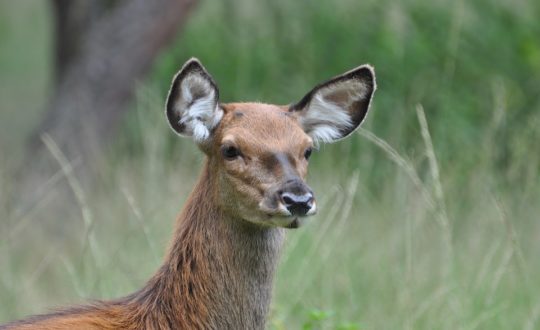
(218, 271)
(217, 274)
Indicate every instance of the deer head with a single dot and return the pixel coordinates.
(258, 153)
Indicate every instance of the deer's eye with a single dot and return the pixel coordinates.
(230, 152)
(307, 153)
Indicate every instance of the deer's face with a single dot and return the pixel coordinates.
(262, 156)
(260, 152)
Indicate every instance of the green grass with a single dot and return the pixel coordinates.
(423, 224)
(24, 66)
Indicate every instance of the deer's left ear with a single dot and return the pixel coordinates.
(335, 108)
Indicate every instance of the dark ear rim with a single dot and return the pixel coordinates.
(364, 73)
(192, 66)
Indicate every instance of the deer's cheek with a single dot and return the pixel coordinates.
(236, 168)
(243, 188)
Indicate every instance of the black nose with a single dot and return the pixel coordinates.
(297, 204)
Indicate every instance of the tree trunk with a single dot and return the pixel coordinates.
(72, 21)
(93, 89)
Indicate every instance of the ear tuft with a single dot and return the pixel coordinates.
(336, 108)
(192, 104)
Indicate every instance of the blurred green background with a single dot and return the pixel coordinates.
(422, 225)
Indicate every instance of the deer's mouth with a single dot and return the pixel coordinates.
(293, 222)
(281, 216)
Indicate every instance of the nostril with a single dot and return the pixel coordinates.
(297, 204)
(287, 199)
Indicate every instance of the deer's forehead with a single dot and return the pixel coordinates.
(262, 126)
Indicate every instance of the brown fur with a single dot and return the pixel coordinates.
(218, 271)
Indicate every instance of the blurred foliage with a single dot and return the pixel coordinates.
(376, 255)
(474, 66)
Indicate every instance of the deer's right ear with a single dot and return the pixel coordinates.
(192, 105)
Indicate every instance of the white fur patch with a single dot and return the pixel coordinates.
(324, 119)
(196, 105)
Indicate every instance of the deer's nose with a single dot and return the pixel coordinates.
(297, 204)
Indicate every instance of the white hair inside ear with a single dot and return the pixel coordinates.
(196, 105)
(329, 112)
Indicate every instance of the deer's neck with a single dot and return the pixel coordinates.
(218, 272)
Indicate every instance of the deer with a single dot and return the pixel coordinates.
(219, 268)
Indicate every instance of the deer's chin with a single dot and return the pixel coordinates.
(275, 218)
(279, 219)
(289, 222)
(296, 223)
